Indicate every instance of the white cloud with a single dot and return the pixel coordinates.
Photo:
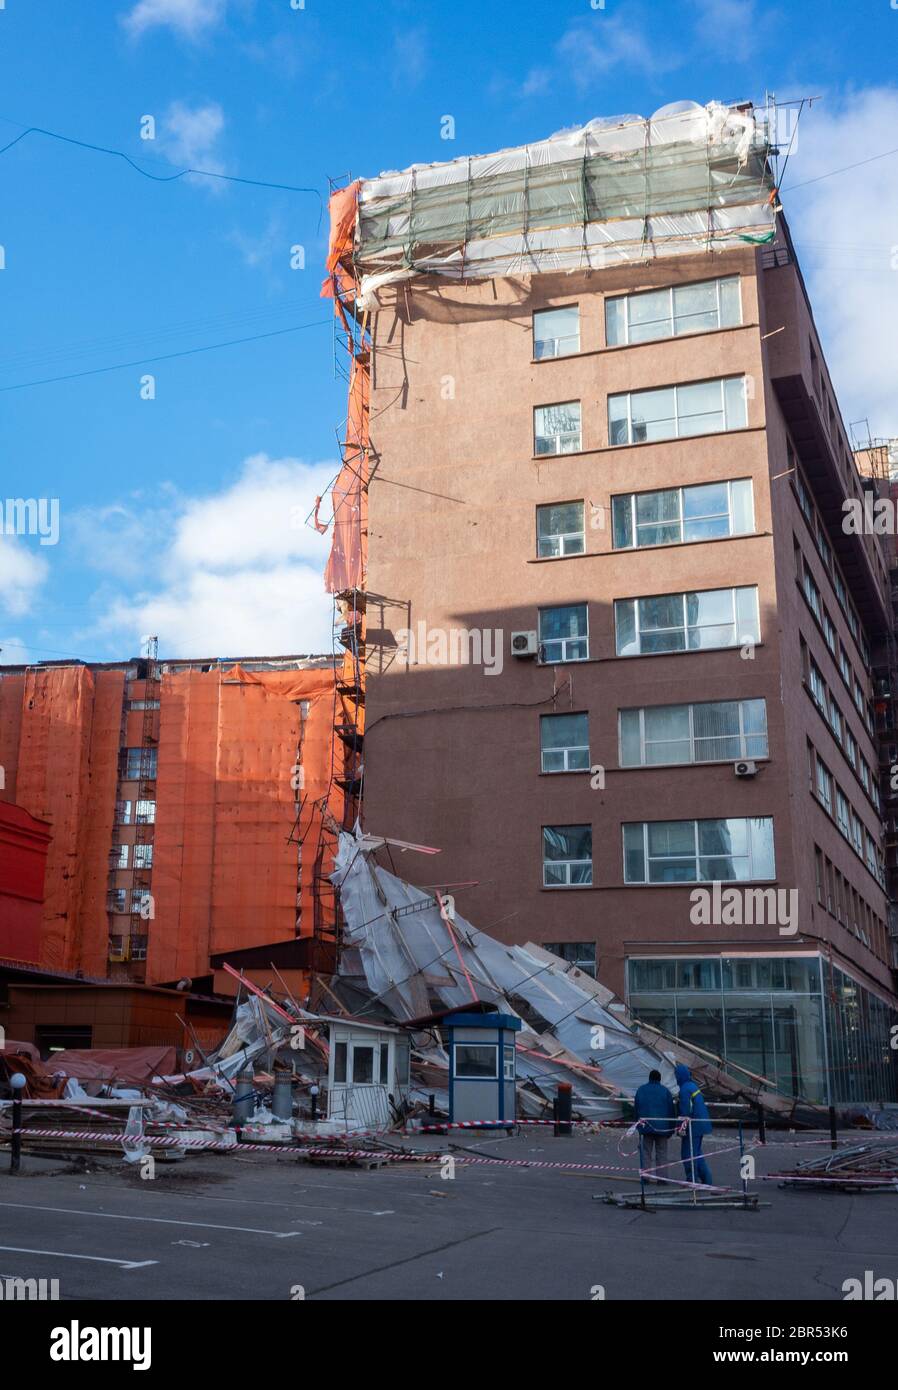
(189, 136)
(240, 573)
(591, 48)
(846, 234)
(21, 575)
(188, 17)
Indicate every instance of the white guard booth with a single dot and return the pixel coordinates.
(369, 1062)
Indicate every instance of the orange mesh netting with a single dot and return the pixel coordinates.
(226, 872)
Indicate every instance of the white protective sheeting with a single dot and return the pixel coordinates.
(689, 178)
(410, 959)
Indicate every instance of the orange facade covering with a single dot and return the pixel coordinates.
(228, 871)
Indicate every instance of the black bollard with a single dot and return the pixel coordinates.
(564, 1105)
(833, 1132)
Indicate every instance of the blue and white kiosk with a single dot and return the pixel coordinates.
(481, 1049)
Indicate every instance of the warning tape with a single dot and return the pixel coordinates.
(384, 1155)
(413, 1128)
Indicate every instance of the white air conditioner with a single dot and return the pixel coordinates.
(745, 769)
(524, 644)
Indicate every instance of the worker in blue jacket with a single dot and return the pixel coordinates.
(692, 1107)
(656, 1118)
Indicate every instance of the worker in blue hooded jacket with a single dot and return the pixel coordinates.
(692, 1107)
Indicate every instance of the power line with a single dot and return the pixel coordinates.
(832, 173)
(159, 178)
(165, 357)
(122, 342)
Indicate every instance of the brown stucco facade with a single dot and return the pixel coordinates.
(452, 755)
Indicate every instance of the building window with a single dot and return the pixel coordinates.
(556, 428)
(567, 855)
(143, 704)
(582, 954)
(686, 622)
(811, 592)
(139, 763)
(829, 632)
(824, 786)
(556, 332)
(845, 666)
(699, 851)
(677, 412)
(850, 747)
(719, 731)
(143, 856)
(564, 742)
(146, 813)
(843, 819)
(710, 511)
(119, 857)
(508, 1062)
(559, 529)
(564, 633)
(834, 719)
(479, 1061)
(668, 313)
(117, 900)
(857, 833)
(817, 685)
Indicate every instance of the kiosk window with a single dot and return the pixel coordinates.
(476, 1059)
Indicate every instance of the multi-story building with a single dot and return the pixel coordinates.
(606, 511)
(179, 796)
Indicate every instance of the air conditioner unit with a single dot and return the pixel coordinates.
(745, 769)
(524, 644)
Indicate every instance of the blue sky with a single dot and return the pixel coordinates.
(184, 514)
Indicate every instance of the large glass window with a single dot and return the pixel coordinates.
(559, 529)
(686, 622)
(564, 633)
(556, 428)
(564, 742)
(667, 313)
(699, 851)
(567, 855)
(772, 1015)
(556, 332)
(676, 412)
(717, 731)
(703, 513)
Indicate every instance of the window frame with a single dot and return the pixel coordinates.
(676, 388)
(686, 628)
(564, 659)
(562, 536)
(553, 356)
(627, 299)
(558, 453)
(744, 755)
(681, 520)
(697, 856)
(568, 863)
(566, 749)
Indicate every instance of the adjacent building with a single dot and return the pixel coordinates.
(180, 797)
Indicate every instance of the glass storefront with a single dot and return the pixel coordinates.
(776, 1016)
